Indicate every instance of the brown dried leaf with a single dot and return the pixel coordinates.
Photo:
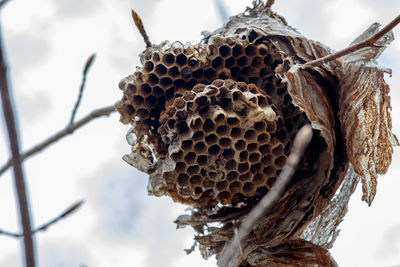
(345, 100)
(364, 113)
(311, 98)
(309, 253)
(366, 122)
(363, 104)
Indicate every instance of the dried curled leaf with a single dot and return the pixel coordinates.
(363, 106)
(365, 118)
(309, 253)
(311, 97)
(194, 110)
(365, 113)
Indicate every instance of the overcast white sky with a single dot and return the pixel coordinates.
(119, 225)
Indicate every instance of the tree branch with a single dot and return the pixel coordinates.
(369, 42)
(139, 25)
(9, 117)
(44, 227)
(10, 234)
(88, 64)
(302, 139)
(105, 111)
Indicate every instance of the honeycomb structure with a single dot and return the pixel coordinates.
(187, 100)
(223, 142)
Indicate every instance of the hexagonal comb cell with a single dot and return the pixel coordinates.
(172, 67)
(214, 115)
(221, 142)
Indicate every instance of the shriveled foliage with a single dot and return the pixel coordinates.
(214, 123)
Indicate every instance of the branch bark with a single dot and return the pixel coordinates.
(105, 111)
(44, 227)
(19, 180)
(139, 24)
(3, 2)
(88, 64)
(370, 42)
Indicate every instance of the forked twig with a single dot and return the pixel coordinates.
(301, 141)
(88, 64)
(105, 111)
(44, 227)
(139, 25)
(9, 116)
(370, 42)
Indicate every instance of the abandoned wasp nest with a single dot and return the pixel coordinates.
(217, 137)
(213, 125)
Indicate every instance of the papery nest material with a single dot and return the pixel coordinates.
(215, 122)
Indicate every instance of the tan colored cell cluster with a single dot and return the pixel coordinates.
(222, 140)
(218, 119)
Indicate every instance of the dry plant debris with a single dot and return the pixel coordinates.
(213, 125)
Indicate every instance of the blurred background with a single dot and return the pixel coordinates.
(48, 43)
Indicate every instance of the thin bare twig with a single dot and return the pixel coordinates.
(105, 111)
(302, 139)
(222, 10)
(3, 2)
(139, 25)
(11, 124)
(88, 64)
(370, 42)
(44, 227)
(63, 215)
(10, 234)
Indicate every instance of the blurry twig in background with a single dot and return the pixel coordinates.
(44, 227)
(9, 117)
(2, 3)
(17, 158)
(105, 111)
(63, 215)
(88, 64)
(2, 232)
(370, 42)
(71, 127)
(139, 25)
(301, 141)
(222, 10)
